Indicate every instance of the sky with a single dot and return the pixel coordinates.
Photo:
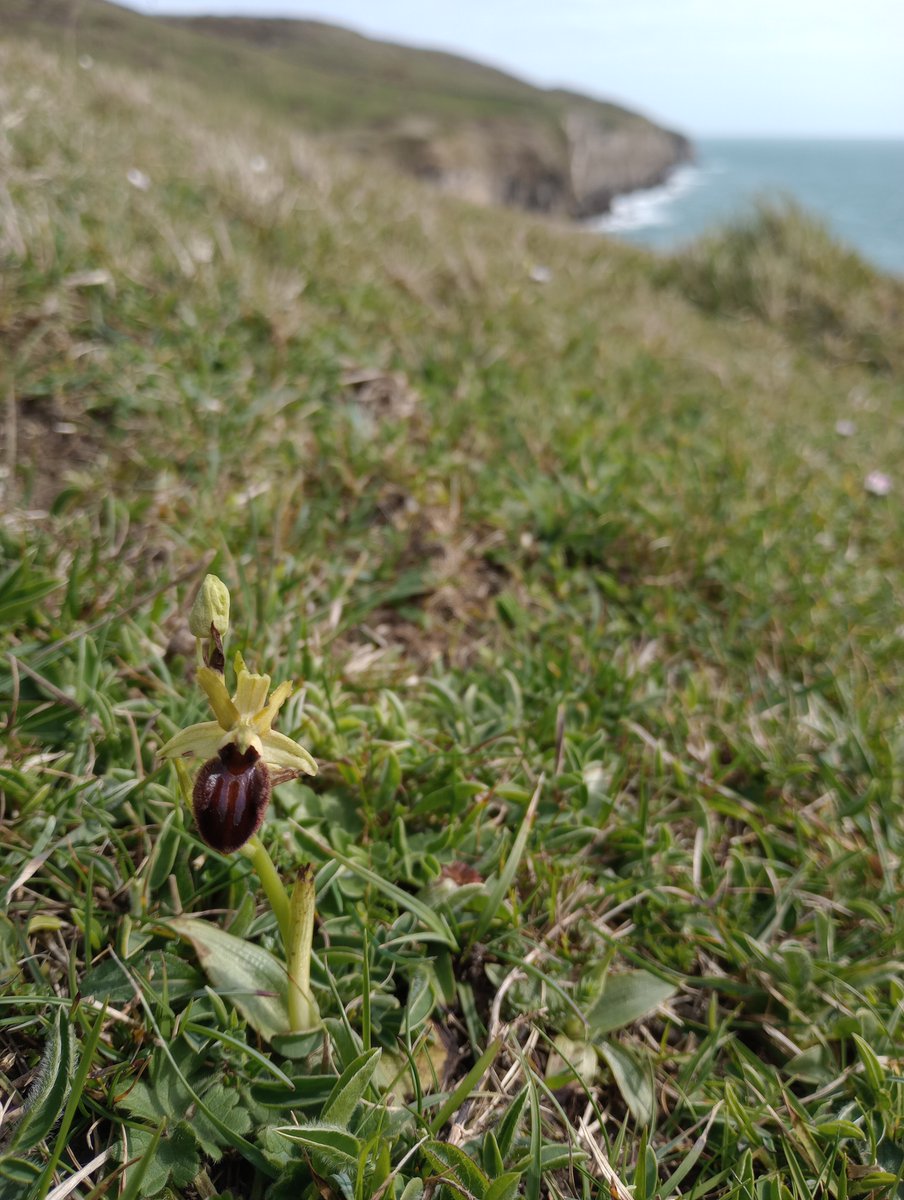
(707, 67)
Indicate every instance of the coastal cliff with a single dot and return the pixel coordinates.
(573, 168)
(470, 129)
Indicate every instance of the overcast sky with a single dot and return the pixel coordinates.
(818, 67)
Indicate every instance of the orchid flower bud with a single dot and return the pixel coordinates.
(211, 607)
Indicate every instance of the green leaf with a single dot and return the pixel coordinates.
(304, 1091)
(872, 1068)
(646, 1176)
(236, 1043)
(226, 1105)
(626, 998)
(251, 977)
(21, 589)
(44, 1101)
(333, 1148)
(349, 1088)
(449, 1161)
(633, 1078)
(839, 1129)
(164, 854)
(136, 1173)
(508, 1126)
(16, 1177)
(504, 1187)
(490, 1155)
(571, 1060)
(428, 918)
(75, 1094)
(421, 999)
(140, 1101)
(507, 875)
(173, 1158)
(454, 1101)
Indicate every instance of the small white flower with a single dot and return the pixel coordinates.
(138, 179)
(877, 483)
(258, 164)
(845, 428)
(540, 274)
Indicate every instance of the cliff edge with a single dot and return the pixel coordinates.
(470, 129)
(572, 168)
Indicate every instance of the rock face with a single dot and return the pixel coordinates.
(607, 162)
(572, 169)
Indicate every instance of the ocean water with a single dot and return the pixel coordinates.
(857, 187)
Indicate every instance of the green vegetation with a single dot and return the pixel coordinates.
(599, 635)
(325, 77)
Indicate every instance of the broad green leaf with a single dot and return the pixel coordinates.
(839, 1129)
(174, 1158)
(304, 1091)
(504, 1187)
(490, 1155)
(451, 1162)
(626, 998)
(47, 1095)
(16, 1177)
(870, 1180)
(571, 1059)
(75, 1094)
(349, 1088)
(135, 1175)
(633, 1078)
(226, 1106)
(335, 1147)
(297, 1045)
(252, 978)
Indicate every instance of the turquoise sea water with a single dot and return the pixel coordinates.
(857, 187)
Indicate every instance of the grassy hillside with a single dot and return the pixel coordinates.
(598, 627)
(468, 129)
(325, 76)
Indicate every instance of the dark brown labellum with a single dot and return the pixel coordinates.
(230, 797)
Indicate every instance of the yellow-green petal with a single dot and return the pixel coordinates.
(265, 718)
(202, 740)
(250, 693)
(224, 710)
(281, 751)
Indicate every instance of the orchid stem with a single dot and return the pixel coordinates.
(255, 850)
(303, 1011)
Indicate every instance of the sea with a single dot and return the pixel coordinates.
(856, 187)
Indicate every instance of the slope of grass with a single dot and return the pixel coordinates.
(600, 640)
(326, 77)
(784, 268)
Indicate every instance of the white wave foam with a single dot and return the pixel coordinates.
(649, 208)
